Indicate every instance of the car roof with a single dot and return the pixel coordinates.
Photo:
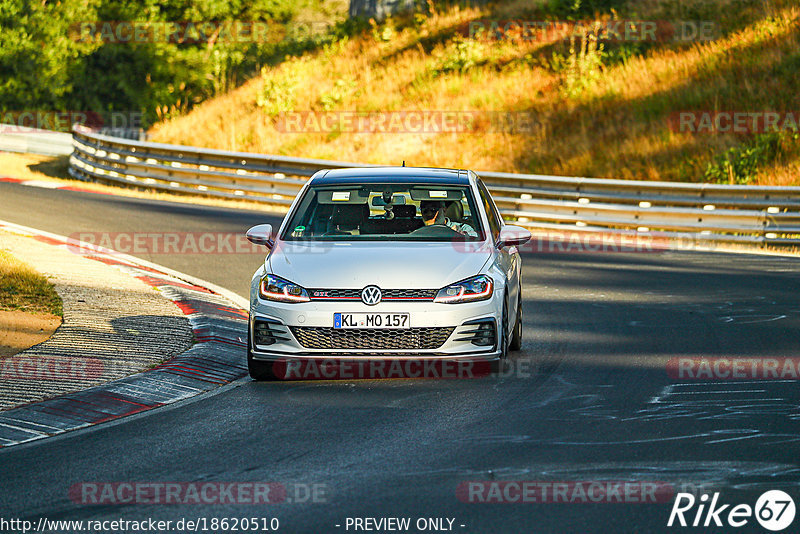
(382, 175)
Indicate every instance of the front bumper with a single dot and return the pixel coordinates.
(461, 318)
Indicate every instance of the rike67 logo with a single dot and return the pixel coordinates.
(774, 510)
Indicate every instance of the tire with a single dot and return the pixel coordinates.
(516, 337)
(499, 364)
(258, 370)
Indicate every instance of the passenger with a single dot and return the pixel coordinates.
(433, 213)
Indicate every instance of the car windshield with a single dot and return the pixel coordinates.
(385, 212)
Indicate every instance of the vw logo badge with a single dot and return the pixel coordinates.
(371, 295)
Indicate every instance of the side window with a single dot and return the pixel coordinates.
(491, 211)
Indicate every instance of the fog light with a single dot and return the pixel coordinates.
(268, 333)
(481, 333)
(484, 337)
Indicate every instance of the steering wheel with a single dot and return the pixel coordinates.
(435, 230)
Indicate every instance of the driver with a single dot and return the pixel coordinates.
(433, 213)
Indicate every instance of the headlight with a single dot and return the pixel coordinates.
(476, 288)
(275, 288)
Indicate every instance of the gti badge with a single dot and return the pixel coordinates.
(371, 295)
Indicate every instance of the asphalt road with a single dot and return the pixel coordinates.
(588, 399)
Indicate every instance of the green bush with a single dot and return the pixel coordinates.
(740, 164)
(460, 55)
(276, 96)
(341, 89)
(582, 66)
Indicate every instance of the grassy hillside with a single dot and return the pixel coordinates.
(602, 108)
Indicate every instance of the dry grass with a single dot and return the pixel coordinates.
(611, 121)
(54, 169)
(24, 289)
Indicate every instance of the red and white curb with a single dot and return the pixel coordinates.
(219, 321)
(48, 184)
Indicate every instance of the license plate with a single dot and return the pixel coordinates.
(371, 320)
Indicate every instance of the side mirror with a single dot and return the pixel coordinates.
(261, 235)
(513, 236)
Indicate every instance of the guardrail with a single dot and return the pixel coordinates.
(762, 215)
(34, 141)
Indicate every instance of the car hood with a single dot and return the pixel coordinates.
(387, 265)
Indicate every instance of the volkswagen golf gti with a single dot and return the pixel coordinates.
(392, 262)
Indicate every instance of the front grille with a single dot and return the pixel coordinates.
(386, 294)
(424, 338)
(408, 294)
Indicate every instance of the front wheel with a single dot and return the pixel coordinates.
(516, 337)
(503, 340)
(258, 370)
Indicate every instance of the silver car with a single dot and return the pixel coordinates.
(396, 263)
